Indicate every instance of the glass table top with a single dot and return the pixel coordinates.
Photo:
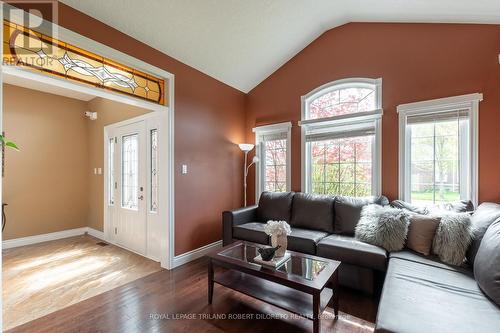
(303, 267)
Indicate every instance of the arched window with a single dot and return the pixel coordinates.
(341, 138)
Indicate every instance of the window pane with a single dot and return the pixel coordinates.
(342, 101)
(275, 165)
(111, 172)
(434, 168)
(342, 166)
(154, 171)
(130, 171)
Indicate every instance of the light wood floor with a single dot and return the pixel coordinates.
(43, 278)
(157, 302)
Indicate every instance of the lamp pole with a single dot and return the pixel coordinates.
(245, 174)
(246, 147)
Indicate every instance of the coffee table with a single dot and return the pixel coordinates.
(304, 285)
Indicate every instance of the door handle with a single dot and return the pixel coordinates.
(141, 197)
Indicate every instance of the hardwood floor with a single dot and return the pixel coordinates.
(176, 301)
(42, 278)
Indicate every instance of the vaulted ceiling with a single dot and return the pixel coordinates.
(241, 42)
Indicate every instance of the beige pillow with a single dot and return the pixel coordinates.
(421, 233)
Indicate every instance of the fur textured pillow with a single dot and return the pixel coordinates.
(383, 226)
(453, 236)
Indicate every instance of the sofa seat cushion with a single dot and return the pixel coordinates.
(313, 211)
(305, 240)
(252, 232)
(349, 250)
(431, 260)
(423, 298)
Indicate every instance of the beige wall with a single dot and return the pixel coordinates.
(50, 184)
(46, 183)
(109, 112)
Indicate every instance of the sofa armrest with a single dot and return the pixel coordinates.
(236, 217)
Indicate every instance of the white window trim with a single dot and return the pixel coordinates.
(470, 102)
(260, 131)
(355, 118)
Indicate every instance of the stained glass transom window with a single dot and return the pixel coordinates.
(30, 49)
(130, 171)
(154, 171)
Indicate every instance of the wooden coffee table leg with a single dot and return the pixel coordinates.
(335, 287)
(316, 312)
(210, 281)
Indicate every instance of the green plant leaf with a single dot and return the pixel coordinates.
(12, 145)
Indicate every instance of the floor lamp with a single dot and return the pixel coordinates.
(246, 147)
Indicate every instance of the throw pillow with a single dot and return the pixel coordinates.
(487, 263)
(383, 226)
(421, 233)
(313, 211)
(275, 206)
(482, 218)
(453, 237)
(348, 212)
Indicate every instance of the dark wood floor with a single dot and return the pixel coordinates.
(176, 301)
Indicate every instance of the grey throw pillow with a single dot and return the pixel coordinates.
(483, 217)
(452, 238)
(386, 227)
(348, 212)
(487, 263)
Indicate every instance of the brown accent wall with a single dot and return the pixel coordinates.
(416, 62)
(108, 112)
(46, 183)
(209, 122)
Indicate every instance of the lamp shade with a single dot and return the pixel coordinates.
(246, 147)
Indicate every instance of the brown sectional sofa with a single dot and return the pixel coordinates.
(420, 294)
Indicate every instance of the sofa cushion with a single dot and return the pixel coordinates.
(431, 260)
(482, 218)
(305, 240)
(421, 233)
(422, 298)
(276, 206)
(313, 211)
(349, 250)
(383, 226)
(252, 232)
(487, 263)
(348, 211)
(453, 237)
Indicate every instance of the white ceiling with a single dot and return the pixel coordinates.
(241, 42)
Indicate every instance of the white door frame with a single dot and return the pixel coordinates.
(167, 232)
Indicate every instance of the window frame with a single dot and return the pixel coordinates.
(260, 132)
(470, 103)
(368, 117)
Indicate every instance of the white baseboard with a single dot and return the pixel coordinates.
(195, 254)
(7, 244)
(95, 233)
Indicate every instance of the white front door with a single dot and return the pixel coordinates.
(130, 157)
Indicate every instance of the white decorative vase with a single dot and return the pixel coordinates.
(280, 240)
